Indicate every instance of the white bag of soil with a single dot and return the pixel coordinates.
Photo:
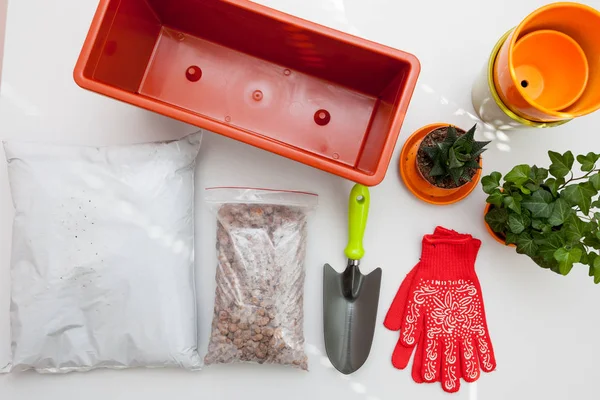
(102, 256)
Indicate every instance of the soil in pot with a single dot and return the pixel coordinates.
(425, 164)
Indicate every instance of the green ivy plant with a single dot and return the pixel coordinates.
(551, 215)
(455, 156)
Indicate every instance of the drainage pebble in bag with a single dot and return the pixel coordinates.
(261, 242)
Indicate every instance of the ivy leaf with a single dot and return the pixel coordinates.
(524, 190)
(584, 255)
(537, 175)
(549, 245)
(561, 164)
(580, 195)
(496, 199)
(575, 229)
(497, 219)
(526, 245)
(511, 203)
(591, 260)
(592, 241)
(588, 161)
(595, 181)
(518, 223)
(532, 187)
(491, 182)
(596, 269)
(537, 224)
(519, 175)
(511, 238)
(540, 204)
(547, 264)
(553, 184)
(561, 211)
(566, 258)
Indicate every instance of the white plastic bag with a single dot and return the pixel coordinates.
(261, 243)
(102, 256)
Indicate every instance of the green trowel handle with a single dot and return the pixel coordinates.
(358, 212)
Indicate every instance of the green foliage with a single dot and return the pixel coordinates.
(455, 155)
(552, 219)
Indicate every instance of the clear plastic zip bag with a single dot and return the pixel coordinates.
(261, 246)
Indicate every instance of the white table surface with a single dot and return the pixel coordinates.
(544, 327)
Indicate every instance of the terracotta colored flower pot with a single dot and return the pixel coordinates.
(535, 86)
(416, 182)
(498, 237)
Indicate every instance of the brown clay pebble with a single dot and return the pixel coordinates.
(267, 331)
(260, 354)
(258, 337)
(255, 318)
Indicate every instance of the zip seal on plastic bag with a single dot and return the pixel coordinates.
(261, 246)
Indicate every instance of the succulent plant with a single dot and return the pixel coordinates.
(455, 156)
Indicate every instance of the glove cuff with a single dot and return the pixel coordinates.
(449, 257)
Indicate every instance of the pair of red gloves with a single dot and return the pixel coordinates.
(439, 310)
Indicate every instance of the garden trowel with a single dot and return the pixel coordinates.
(350, 299)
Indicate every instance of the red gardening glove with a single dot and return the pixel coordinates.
(464, 249)
(395, 315)
(445, 305)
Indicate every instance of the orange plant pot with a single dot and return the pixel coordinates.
(496, 236)
(318, 96)
(416, 182)
(535, 86)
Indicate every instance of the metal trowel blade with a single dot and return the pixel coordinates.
(350, 301)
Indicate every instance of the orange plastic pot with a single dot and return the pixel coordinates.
(315, 95)
(416, 182)
(499, 238)
(530, 68)
(489, 105)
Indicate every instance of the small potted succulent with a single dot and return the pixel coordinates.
(441, 164)
(551, 215)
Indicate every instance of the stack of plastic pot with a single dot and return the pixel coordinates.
(544, 72)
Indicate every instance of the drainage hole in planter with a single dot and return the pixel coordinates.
(193, 73)
(257, 95)
(322, 117)
(524, 83)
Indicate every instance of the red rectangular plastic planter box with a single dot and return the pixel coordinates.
(313, 94)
